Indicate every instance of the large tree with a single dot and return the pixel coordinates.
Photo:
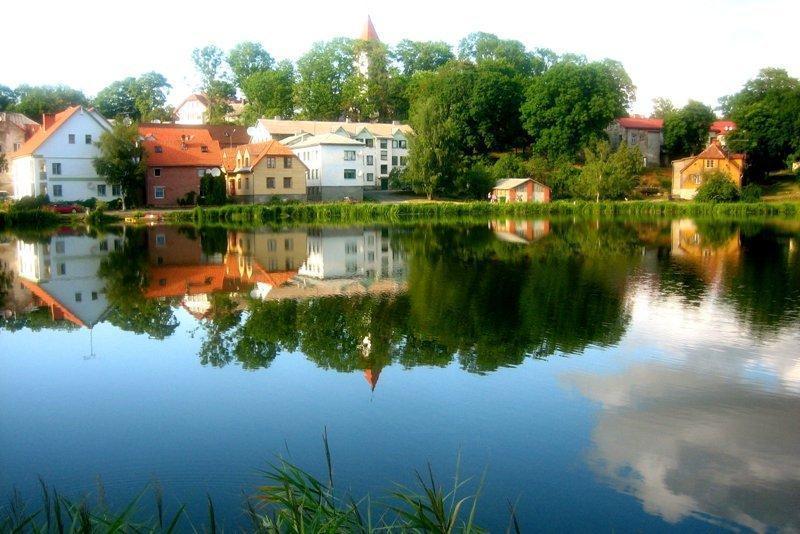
(321, 91)
(7, 97)
(248, 58)
(34, 101)
(607, 173)
(269, 92)
(479, 47)
(214, 81)
(686, 130)
(569, 106)
(662, 107)
(122, 160)
(767, 116)
(139, 99)
(416, 56)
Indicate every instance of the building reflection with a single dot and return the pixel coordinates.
(61, 274)
(520, 231)
(709, 249)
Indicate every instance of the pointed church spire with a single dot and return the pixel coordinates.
(369, 33)
(372, 377)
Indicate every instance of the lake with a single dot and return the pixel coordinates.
(602, 375)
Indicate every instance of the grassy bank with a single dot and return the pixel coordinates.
(249, 215)
(35, 218)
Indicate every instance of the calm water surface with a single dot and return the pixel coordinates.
(627, 376)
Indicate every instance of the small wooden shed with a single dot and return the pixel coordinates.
(521, 190)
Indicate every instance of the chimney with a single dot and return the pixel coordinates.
(47, 120)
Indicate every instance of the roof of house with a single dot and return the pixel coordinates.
(257, 152)
(640, 123)
(58, 309)
(715, 151)
(291, 127)
(180, 280)
(368, 33)
(43, 134)
(18, 119)
(180, 147)
(194, 96)
(225, 134)
(722, 126)
(512, 183)
(328, 139)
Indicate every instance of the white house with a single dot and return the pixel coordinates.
(193, 110)
(62, 275)
(336, 166)
(384, 145)
(57, 160)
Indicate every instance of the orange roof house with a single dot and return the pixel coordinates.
(688, 174)
(257, 172)
(51, 122)
(176, 160)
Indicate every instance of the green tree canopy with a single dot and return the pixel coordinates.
(662, 107)
(570, 105)
(269, 93)
(122, 161)
(215, 83)
(140, 99)
(416, 56)
(322, 76)
(7, 97)
(34, 101)
(248, 58)
(686, 130)
(479, 47)
(607, 173)
(767, 116)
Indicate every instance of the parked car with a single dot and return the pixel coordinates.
(65, 208)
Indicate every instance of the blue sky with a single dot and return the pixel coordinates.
(679, 49)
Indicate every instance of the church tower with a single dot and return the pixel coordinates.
(369, 35)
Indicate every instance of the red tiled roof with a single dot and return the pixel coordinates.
(225, 134)
(57, 309)
(715, 151)
(180, 280)
(369, 33)
(180, 147)
(722, 126)
(257, 152)
(42, 135)
(640, 123)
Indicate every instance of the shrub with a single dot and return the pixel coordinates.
(717, 187)
(212, 191)
(30, 203)
(475, 181)
(751, 193)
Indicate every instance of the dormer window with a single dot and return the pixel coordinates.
(158, 149)
(203, 148)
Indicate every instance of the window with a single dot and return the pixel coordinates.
(370, 177)
(394, 143)
(116, 190)
(62, 269)
(384, 143)
(270, 162)
(384, 169)
(288, 244)
(384, 155)
(78, 297)
(369, 142)
(351, 247)
(370, 160)
(60, 247)
(58, 191)
(287, 162)
(349, 155)
(71, 138)
(156, 172)
(370, 256)
(88, 139)
(270, 182)
(349, 174)
(101, 190)
(287, 182)
(697, 179)
(103, 245)
(17, 146)
(271, 245)
(56, 169)
(159, 191)
(158, 149)
(394, 161)
(203, 148)
(94, 295)
(710, 163)
(161, 240)
(402, 143)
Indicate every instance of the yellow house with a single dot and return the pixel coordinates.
(258, 172)
(688, 173)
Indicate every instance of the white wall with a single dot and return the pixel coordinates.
(329, 163)
(78, 179)
(351, 253)
(191, 112)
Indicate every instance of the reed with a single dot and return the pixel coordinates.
(34, 218)
(339, 212)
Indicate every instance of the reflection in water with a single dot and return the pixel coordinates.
(705, 428)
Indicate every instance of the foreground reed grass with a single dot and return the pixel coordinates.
(291, 501)
(28, 219)
(366, 212)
